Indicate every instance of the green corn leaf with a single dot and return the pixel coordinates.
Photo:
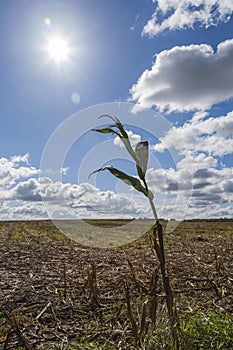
(117, 124)
(107, 116)
(141, 152)
(107, 131)
(122, 134)
(121, 128)
(128, 147)
(125, 138)
(129, 180)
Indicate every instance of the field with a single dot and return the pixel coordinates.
(60, 294)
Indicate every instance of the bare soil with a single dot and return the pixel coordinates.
(58, 294)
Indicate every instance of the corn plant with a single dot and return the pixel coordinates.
(140, 157)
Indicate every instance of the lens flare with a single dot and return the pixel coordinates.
(48, 22)
(75, 98)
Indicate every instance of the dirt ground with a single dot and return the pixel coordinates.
(56, 294)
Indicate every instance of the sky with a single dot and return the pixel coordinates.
(165, 68)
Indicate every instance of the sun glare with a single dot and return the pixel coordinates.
(58, 49)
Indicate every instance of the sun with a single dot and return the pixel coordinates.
(58, 49)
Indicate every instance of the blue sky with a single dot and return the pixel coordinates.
(165, 68)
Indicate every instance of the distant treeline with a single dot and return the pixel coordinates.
(210, 220)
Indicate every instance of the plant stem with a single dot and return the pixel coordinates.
(159, 251)
(150, 200)
(153, 209)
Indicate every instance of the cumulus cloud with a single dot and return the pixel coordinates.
(186, 78)
(134, 139)
(200, 185)
(20, 210)
(71, 200)
(27, 191)
(203, 141)
(24, 196)
(182, 178)
(196, 181)
(181, 14)
(213, 136)
(15, 168)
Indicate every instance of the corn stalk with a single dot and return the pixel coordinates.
(140, 156)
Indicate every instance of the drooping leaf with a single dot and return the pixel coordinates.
(107, 116)
(125, 138)
(141, 152)
(107, 131)
(122, 134)
(117, 123)
(128, 146)
(121, 128)
(129, 180)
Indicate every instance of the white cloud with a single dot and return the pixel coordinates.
(201, 186)
(196, 179)
(203, 142)
(213, 136)
(69, 200)
(23, 196)
(12, 170)
(134, 139)
(132, 28)
(186, 78)
(181, 14)
(20, 210)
